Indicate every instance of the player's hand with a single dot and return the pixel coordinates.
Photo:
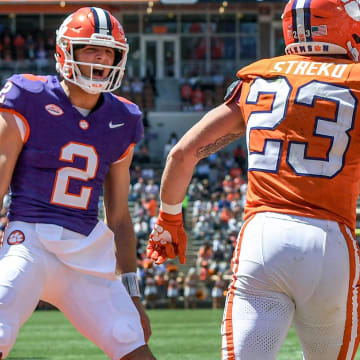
(145, 321)
(168, 239)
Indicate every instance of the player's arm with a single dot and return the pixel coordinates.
(218, 128)
(11, 144)
(117, 214)
(118, 218)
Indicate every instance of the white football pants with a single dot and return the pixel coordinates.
(292, 270)
(99, 308)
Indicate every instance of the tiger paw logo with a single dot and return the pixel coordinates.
(16, 237)
(352, 8)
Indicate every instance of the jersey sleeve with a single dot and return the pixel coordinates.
(134, 120)
(13, 100)
(11, 96)
(139, 130)
(134, 115)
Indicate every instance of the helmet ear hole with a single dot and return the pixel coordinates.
(119, 54)
(356, 38)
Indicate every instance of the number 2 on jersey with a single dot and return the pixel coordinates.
(60, 195)
(335, 129)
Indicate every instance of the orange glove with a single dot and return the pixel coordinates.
(168, 239)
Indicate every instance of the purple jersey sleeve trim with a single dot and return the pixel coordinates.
(126, 152)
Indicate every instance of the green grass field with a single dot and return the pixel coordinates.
(177, 335)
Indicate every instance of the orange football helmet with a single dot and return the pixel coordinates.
(91, 26)
(322, 27)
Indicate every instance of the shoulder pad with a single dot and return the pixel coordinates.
(29, 82)
(131, 107)
(232, 90)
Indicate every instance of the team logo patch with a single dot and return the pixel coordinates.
(53, 109)
(84, 124)
(16, 237)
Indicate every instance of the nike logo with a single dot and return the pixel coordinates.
(113, 126)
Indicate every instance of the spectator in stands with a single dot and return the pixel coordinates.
(217, 292)
(137, 86)
(141, 228)
(151, 81)
(150, 292)
(204, 255)
(194, 189)
(138, 189)
(190, 288)
(203, 169)
(143, 155)
(30, 47)
(167, 147)
(173, 289)
(125, 89)
(151, 188)
(186, 96)
(19, 44)
(161, 284)
(148, 173)
(150, 204)
(7, 46)
(202, 228)
(218, 78)
(197, 98)
(240, 157)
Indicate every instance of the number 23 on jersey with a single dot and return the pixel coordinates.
(335, 128)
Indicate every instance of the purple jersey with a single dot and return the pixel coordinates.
(61, 169)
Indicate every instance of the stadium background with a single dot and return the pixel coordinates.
(183, 55)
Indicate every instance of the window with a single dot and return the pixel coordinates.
(5, 23)
(194, 24)
(193, 48)
(248, 47)
(223, 48)
(28, 23)
(53, 22)
(160, 24)
(130, 23)
(133, 61)
(248, 24)
(222, 23)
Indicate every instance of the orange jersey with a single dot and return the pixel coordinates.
(303, 136)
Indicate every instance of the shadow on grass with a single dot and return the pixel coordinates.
(26, 358)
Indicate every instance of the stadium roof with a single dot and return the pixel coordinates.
(165, 2)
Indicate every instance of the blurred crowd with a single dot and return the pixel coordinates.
(33, 51)
(200, 93)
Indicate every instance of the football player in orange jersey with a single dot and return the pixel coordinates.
(296, 261)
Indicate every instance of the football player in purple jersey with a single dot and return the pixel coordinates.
(61, 142)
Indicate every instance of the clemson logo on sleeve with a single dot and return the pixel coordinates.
(16, 237)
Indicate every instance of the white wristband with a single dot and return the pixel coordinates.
(131, 283)
(171, 209)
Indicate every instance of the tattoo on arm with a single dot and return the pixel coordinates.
(219, 143)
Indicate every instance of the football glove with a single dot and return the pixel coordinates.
(168, 239)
